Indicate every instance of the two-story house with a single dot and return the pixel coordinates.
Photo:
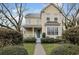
(49, 21)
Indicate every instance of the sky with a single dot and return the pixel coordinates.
(31, 7)
(35, 7)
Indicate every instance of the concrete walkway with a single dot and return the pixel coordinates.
(39, 50)
(38, 40)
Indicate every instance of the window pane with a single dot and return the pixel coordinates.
(48, 30)
(55, 19)
(48, 18)
(28, 21)
(56, 31)
(52, 30)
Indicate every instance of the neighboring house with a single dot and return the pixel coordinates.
(49, 21)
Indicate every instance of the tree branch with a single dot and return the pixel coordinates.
(10, 13)
(61, 12)
(6, 26)
(8, 18)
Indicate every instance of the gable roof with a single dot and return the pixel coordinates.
(48, 6)
(33, 15)
(39, 15)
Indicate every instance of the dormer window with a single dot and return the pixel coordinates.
(55, 19)
(48, 19)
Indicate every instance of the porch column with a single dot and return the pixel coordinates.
(33, 31)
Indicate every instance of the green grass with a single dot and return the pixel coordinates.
(30, 48)
(49, 47)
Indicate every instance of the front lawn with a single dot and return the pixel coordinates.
(30, 48)
(49, 47)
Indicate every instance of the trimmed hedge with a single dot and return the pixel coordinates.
(29, 40)
(9, 37)
(51, 40)
(67, 49)
(72, 35)
(13, 50)
(43, 35)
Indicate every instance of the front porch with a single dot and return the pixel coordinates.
(32, 32)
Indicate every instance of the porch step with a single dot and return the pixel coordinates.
(38, 40)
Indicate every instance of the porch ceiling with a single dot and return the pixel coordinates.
(32, 26)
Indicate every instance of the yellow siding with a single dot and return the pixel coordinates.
(51, 9)
(34, 21)
(28, 33)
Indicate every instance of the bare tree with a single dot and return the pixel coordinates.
(8, 18)
(70, 12)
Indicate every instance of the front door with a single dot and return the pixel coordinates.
(38, 33)
(38, 39)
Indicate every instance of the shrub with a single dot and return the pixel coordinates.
(66, 50)
(29, 40)
(9, 37)
(50, 40)
(59, 37)
(13, 50)
(43, 35)
(72, 35)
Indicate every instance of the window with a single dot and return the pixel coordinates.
(37, 22)
(56, 31)
(52, 30)
(48, 31)
(48, 19)
(28, 21)
(55, 19)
